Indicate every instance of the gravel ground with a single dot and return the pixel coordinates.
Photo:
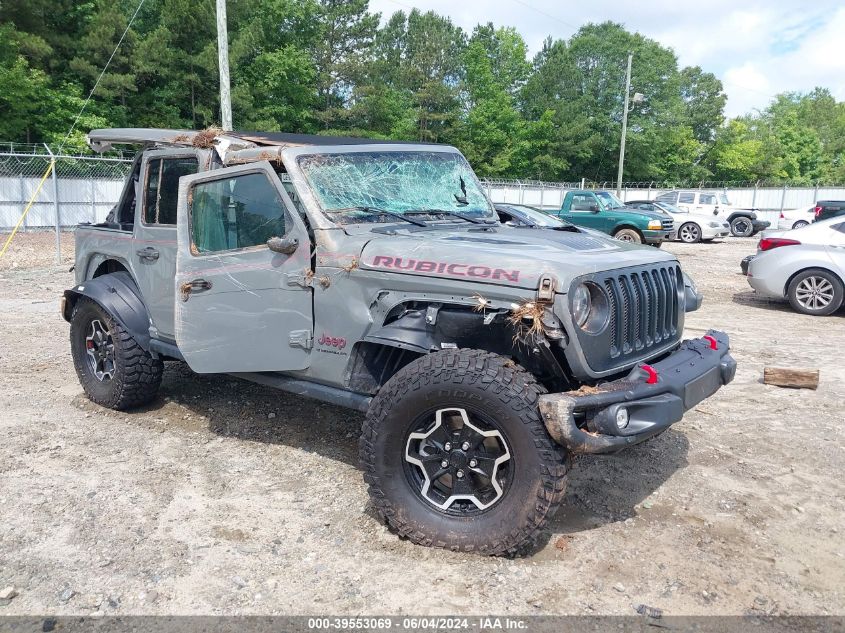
(229, 498)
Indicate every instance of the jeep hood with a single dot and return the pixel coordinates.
(505, 255)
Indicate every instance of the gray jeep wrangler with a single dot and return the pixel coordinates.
(377, 276)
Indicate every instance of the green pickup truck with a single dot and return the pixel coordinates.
(602, 211)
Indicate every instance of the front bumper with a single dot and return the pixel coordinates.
(656, 237)
(710, 232)
(587, 422)
(759, 225)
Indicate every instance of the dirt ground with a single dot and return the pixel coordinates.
(230, 498)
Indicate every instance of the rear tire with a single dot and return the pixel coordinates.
(816, 292)
(628, 235)
(800, 224)
(742, 227)
(417, 452)
(113, 369)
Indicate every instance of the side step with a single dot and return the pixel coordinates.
(309, 389)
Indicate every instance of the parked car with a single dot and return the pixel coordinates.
(603, 211)
(376, 276)
(524, 215)
(829, 209)
(744, 222)
(805, 266)
(796, 218)
(690, 227)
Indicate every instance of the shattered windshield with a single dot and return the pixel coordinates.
(609, 200)
(358, 183)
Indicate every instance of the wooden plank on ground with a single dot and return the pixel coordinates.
(794, 378)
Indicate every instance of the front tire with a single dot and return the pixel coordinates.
(690, 233)
(800, 224)
(742, 227)
(816, 292)
(628, 235)
(113, 369)
(457, 456)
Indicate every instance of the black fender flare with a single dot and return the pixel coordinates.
(117, 294)
(739, 214)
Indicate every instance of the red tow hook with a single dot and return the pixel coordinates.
(652, 374)
(714, 344)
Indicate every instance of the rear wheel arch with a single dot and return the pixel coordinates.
(99, 264)
(117, 294)
(109, 266)
(738, 214)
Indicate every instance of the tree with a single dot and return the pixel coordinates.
(704, 102)
(495, 66)
(345, 35)
(273, 70)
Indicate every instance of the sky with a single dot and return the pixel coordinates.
(758, 49)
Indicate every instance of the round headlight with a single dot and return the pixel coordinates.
(581, 304)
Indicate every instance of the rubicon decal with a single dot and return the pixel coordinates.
(444, 268)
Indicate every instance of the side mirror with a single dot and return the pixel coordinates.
(283, 245)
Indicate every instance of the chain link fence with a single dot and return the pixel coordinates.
(79, 188)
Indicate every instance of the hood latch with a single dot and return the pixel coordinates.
(546, 289)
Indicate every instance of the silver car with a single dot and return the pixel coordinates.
(692, 227)
(804, 265)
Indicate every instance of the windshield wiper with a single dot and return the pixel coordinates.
(378, 211)
(456, 214)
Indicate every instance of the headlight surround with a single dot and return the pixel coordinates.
(655, 225)
(590, 308)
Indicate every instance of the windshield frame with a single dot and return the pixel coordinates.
(322, 219)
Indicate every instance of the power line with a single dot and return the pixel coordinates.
(97, 83)
(548, 15)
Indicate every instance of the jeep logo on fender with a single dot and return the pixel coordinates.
(332, 341)
(444, 268)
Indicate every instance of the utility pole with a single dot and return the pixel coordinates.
(223, 62)
(624, 128)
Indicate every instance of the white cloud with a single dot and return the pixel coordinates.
(758, 49)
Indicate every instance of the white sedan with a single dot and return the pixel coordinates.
(689, 227)
(796, 218)
(805, 266)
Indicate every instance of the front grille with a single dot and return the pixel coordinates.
(643, 309)
(644, 315)
(668, 225)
